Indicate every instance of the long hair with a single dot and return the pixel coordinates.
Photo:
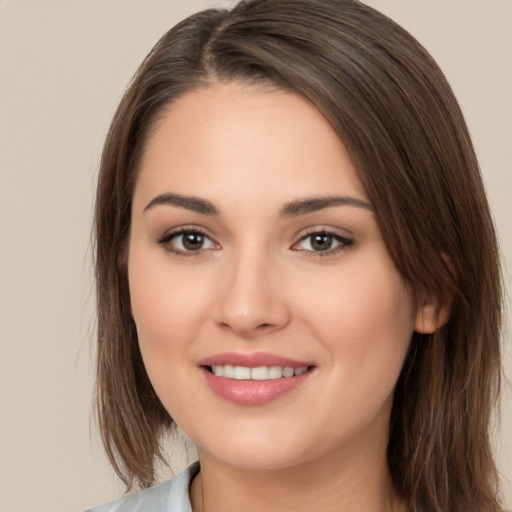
(395, 112)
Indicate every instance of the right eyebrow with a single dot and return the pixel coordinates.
(314, 204)
(194, 204)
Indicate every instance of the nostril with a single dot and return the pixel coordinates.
(245, 328)
(249, 321)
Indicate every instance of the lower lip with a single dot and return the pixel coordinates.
(253, 392)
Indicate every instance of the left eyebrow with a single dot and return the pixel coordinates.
(195, 204)
(315, 204)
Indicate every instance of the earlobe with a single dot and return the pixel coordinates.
(430, 317)
(432, 314)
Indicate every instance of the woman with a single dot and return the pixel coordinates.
(297, 266)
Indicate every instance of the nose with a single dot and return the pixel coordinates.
(252, 299)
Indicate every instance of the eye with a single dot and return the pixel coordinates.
(186, 241)
(322, 242)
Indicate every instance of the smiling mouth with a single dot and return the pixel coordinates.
(251, 382)
(260, 373)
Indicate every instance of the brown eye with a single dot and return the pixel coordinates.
(187, 241)
(322, 242)
(192, 241)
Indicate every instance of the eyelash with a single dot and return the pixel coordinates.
(344, 243)
(164, 242)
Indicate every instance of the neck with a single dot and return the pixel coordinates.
(361, 482)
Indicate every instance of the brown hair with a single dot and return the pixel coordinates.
(394, 110)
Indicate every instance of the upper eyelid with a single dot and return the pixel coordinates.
(336, 236)
(179, 230)
(345, 238)
(164, 242)
(327, 230)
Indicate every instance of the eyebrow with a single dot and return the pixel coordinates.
(315, 204)
(292, 209)
(194, 204)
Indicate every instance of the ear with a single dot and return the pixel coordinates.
(432, 312)
(430, 316)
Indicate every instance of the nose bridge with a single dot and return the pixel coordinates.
(252, 299)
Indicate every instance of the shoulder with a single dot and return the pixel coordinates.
(169, 496)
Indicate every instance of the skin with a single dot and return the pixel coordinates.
(257, 285)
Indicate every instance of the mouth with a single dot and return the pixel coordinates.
(260, 373)
(254, 379)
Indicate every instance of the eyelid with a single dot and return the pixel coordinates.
(343, 242)
(165, 239)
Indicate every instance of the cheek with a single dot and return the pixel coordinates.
(166, 302)
(365, 318)
(166, 308)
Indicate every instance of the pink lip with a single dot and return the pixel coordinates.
(252, 392)
(252, 360)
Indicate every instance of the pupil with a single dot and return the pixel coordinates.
(192, 241)
(321, 242)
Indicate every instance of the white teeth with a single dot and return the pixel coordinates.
(257, 373)
(242, 373)
(288, 371)
(228, 371)
(275, 372)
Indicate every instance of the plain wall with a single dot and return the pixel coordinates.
(63, 67)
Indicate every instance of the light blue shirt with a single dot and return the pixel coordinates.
(169, 496)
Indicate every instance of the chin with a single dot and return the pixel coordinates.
(262, 450)
(256, 459)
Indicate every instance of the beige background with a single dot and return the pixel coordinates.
(63, 67)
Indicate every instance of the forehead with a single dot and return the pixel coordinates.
(253, 139)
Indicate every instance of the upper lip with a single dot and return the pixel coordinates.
(252, 360)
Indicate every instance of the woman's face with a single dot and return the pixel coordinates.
(255, 254)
